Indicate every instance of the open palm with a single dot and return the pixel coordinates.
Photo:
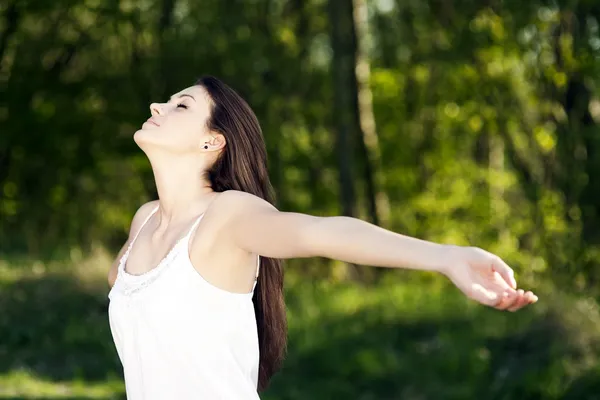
(484, 277)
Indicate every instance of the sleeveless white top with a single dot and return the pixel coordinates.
(180, 337)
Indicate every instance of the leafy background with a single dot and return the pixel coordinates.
(458, 121)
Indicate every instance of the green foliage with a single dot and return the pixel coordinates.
(486, 116)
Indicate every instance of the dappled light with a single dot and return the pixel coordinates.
(460, 122)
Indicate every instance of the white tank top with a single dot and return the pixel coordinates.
(180, 337)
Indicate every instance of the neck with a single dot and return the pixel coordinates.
(184, 190)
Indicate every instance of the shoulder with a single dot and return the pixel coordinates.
(235, 201)
(141, 214)
(235, 206)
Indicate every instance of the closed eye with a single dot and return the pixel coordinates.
(182, 105)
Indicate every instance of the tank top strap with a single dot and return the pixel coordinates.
(144, 223)
(194, 225)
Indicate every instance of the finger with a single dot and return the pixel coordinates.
(485, 296)
(520, 302)
(500, 284)
(505, 271)
(507, 301)
(528, 298)
(531, 297)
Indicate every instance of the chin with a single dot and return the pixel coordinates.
(151, 138)
(146, 136)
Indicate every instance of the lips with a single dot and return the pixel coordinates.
(151, 121)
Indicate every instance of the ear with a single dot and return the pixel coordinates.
(216, 141)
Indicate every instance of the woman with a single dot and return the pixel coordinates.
(196, 306)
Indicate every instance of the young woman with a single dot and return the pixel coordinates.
(196, 305)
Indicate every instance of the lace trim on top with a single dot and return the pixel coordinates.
(132, 283)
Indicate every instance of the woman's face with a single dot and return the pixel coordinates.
(179, 125)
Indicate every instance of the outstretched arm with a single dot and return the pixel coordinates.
(258, 227)
(264, 230)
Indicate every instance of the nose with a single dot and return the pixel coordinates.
(156, 109)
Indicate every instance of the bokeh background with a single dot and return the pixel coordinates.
(457, 121)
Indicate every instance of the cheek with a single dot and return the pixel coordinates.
(184, 131)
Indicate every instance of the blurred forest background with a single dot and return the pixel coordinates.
(457, 121)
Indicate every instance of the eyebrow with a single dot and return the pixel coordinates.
(183, 95)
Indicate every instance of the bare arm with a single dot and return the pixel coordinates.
(136, 224)
(258, 227)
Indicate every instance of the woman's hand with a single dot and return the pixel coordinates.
(484, 277)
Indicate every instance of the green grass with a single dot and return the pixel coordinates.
(422, 340)
(410, 337)
(24, 385)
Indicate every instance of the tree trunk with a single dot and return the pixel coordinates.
(343, 43)
(11, 19)
(352, 108)
(377, 199)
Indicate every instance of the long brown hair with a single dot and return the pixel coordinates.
(243, 166)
